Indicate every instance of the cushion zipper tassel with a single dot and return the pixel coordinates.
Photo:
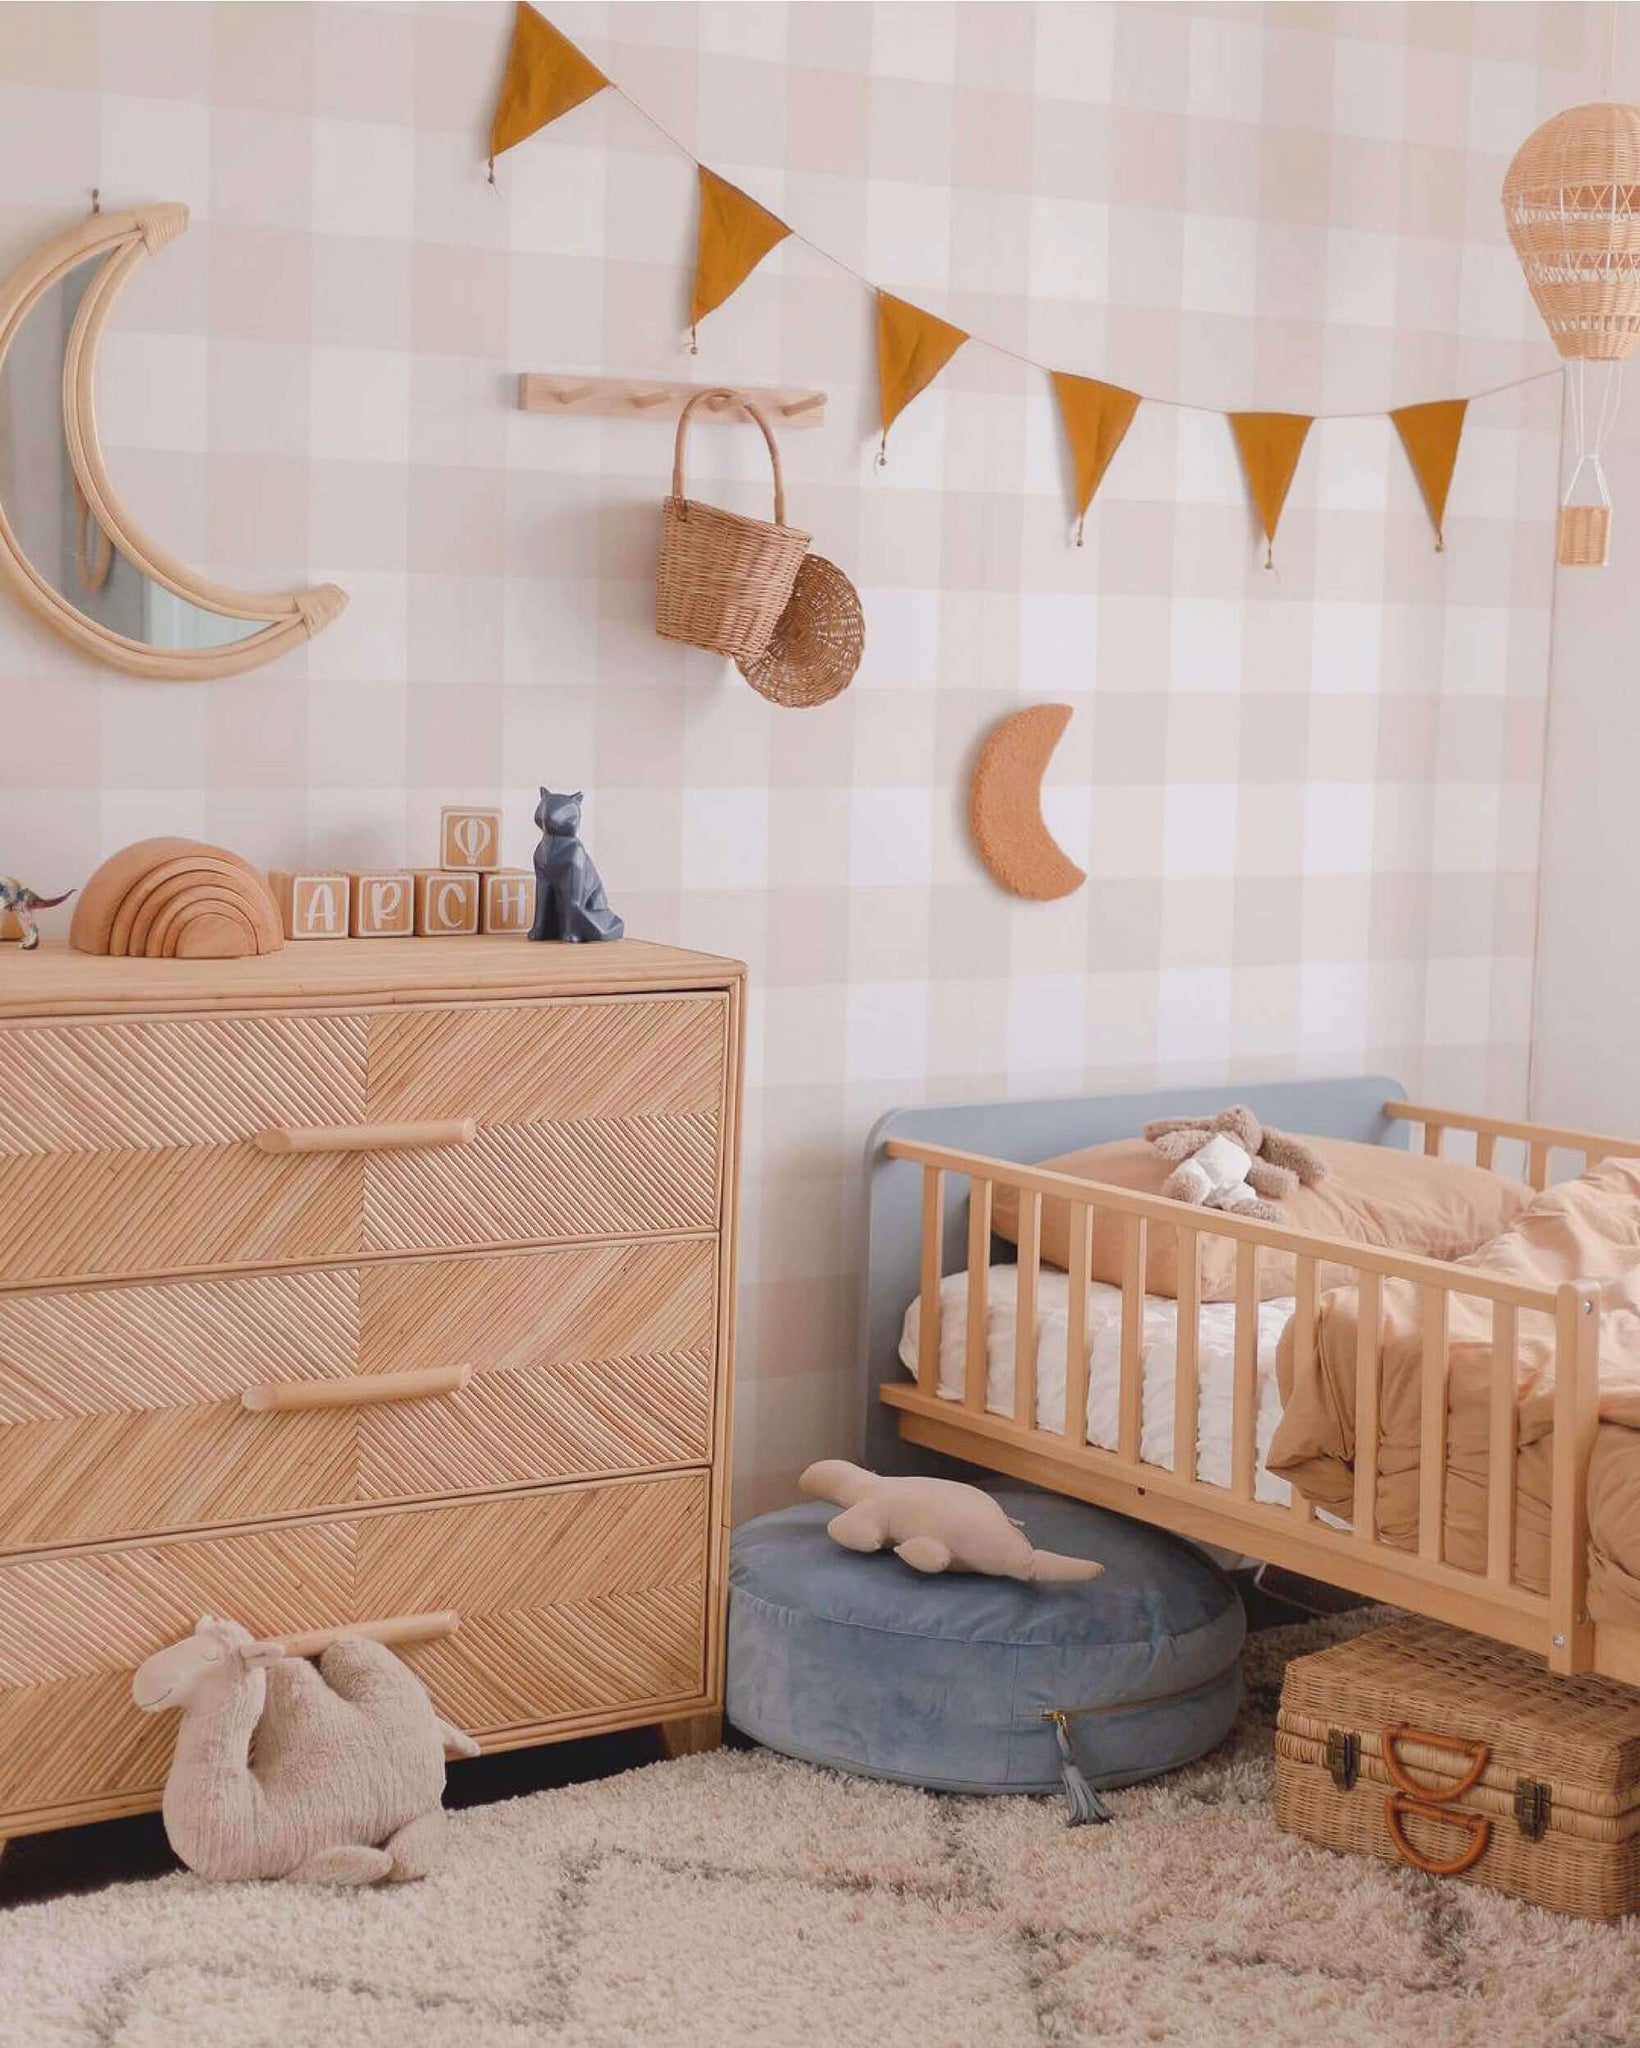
(1082, 1803)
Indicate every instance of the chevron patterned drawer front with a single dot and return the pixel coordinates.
(574, 1602)
(127, 1147)
(593, 1118)
(353, 1283)
(122, 1409)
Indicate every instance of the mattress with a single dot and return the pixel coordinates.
(1215, 1366)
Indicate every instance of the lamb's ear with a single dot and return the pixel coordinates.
(204, 1622)
(256, 1656)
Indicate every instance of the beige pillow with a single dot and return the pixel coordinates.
(1372, 1195)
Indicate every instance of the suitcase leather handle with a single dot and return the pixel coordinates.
(1478, 1753)
(1476, 1825)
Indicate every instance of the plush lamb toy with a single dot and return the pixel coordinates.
(347, 1782)
(1233, 1162)
(935, 1525)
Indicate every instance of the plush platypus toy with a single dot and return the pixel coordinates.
(935, 1525)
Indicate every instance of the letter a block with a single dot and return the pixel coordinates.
(446, 904)
(469, 838)
(384, 905)
(313, 906)
(509, 901)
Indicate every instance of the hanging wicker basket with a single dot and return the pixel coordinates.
(1571, 200)
(817, 644)
(1583, 536)
(724, 579)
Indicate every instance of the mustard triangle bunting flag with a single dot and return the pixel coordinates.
(912, 349)
(735, 236)
(1095, 417)
(1430, 433)
(1270, 444)
(546, 75)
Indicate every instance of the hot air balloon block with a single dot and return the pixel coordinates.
(469, 837)
(177, 899)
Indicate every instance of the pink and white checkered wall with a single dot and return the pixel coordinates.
(1307, 801)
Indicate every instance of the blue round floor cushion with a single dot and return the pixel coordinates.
(862, 1664)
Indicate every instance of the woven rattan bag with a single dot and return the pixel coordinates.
(1466, 1759)
(724, 579)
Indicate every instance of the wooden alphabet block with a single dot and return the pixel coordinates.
(469, 837)
(384, 904)
(313, 906)
(508, 901)
(446, 904)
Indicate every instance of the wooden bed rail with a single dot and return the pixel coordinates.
(1554, 1623)
(1538, 1139)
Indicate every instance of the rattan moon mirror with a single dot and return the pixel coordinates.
(69, 549)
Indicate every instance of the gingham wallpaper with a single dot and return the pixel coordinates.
(1307, 801)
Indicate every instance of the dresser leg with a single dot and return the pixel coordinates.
(691, 1735)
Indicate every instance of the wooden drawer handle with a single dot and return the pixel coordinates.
(358, 1390)
(368, 1137)
(395, 1629)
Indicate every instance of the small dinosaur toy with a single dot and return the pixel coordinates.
(23, 902)
(935, 1525)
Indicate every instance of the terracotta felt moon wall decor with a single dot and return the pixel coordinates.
(1005, 805)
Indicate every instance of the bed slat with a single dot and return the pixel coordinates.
(1186, 1371)
(1076, 1324)
(1433, 1134)
(1303, 1353)
(1486, 1146)
(1432, 1425)
(979, 1291)
(1244, 1417)
(1577, 1402)
(928, 1314)
(1537, 1166)
(1029, 1264)
(1500, 1450)
(1369, 1316)
(1130, 1401)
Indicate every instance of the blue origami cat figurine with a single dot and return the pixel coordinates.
(570, 903)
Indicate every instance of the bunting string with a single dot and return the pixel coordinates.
(547, 76)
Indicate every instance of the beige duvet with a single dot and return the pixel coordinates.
(1585, 1229)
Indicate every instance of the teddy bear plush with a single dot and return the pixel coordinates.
(1233, 1162)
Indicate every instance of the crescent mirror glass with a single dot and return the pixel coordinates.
(68, 546)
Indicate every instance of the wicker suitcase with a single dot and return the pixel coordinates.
(1465, 1758)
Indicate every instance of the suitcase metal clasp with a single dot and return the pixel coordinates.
(1343, 1758)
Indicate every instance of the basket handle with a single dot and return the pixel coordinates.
(1475, 1825)
(1395, 1769)
(746, 405)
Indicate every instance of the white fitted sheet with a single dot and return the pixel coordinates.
(1215, 1366)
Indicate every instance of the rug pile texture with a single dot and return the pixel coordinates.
(741, 1901)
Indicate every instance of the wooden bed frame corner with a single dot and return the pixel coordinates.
(923, 1226)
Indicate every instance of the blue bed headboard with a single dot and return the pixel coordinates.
(1026, 1132)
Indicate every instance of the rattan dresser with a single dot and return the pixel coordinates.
(371, 1282)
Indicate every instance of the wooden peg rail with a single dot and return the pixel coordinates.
(654, 398)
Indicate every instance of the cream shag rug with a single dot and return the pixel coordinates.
(738, 1899)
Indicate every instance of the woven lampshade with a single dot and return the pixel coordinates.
(1571, 200)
